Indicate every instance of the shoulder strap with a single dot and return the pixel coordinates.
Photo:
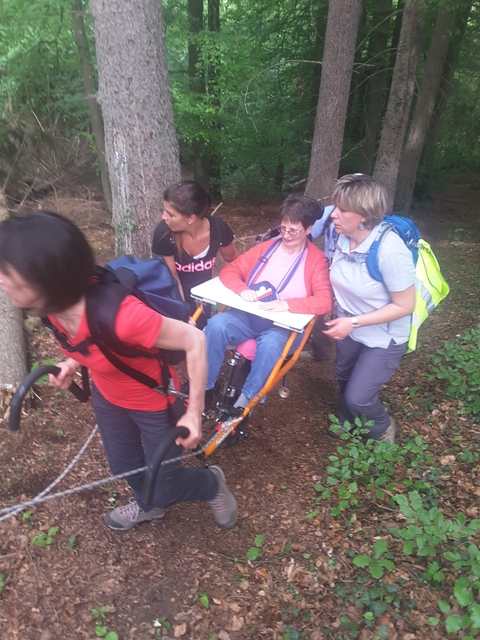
(62, 339)
(103, 301)
(372, 256)
(262, 261)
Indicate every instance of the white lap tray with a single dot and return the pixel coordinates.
(215, 292)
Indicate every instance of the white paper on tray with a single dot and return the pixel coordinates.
(215, 292)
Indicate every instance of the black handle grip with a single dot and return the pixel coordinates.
(18, 396)
(158, 456)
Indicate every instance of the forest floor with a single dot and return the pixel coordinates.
(286, 570)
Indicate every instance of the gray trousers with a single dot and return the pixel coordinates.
(130, 438)
(361, 371)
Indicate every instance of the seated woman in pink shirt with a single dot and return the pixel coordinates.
(288, 274)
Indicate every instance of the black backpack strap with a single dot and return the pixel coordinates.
(134, 373)
(62, 339)
(103, 301)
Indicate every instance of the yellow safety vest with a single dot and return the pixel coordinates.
(430, 289)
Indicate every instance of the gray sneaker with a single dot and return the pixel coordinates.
(126, 517)
(224, 505)
(389, 435)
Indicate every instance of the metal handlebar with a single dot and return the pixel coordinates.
(158, 456)
(16, 403)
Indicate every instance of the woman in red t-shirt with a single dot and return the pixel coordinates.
(46, 266)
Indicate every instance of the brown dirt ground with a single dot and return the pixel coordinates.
(163, 568)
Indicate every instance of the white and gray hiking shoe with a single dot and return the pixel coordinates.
(224, 505)
(389, 435)
(126, 517)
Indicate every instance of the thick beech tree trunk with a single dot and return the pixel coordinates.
(140, 138)
(400, 97)
(337, 66)
(376, 85)
(422, 114)
(13, 362)
(89, 89)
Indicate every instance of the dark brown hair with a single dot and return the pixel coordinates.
(50, 253)
(298, 208)
(190, 199)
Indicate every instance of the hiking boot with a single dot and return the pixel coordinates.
(308, 356)
(389, 435)
(126, 517)
(224, 505)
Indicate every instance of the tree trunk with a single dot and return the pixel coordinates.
(397, 27)
(201, 173)
(448, 71)
(337, 65)
(376, 85)
(89, 90)
(140, 138)
(13, 363)
(422, 114)
(400, 97)
(213, 89)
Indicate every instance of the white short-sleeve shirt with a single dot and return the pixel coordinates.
(356, 292)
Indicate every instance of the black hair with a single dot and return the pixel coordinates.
(189, 198)
(298, 208)
(50, 253)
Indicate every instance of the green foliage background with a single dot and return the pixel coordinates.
(257, 113)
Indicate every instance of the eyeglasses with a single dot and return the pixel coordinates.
(291, 232)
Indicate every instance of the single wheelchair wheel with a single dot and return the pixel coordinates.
(284, 392)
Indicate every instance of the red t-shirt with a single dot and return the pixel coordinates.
(137, 326)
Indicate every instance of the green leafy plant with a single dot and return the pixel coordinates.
(45, 539)
(428, 528)
(161, 624)
(2, 583)
(375, 564)
(368, 465)
(204, 599)
(36, 365)
(101, 630)
(429, 534)
(458, 363)
(71, 542)
(255, 552)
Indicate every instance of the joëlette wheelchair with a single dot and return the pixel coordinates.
(221, 421)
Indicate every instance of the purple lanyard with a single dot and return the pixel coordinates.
(262, 262)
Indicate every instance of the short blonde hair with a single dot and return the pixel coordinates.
(363, 195)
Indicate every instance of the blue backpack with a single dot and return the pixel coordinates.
(148, 280)
(406, 229)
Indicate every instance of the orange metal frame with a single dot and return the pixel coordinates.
(281, 368)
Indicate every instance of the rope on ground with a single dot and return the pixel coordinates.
(17, 508)
(8, 512)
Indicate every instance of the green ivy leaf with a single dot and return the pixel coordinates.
(443, 606)
(259, 540)
(376, 570)
(362, 561)
(475, 616)
(453, 624)
(380, 547)
(408, 547)
(462, 592)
